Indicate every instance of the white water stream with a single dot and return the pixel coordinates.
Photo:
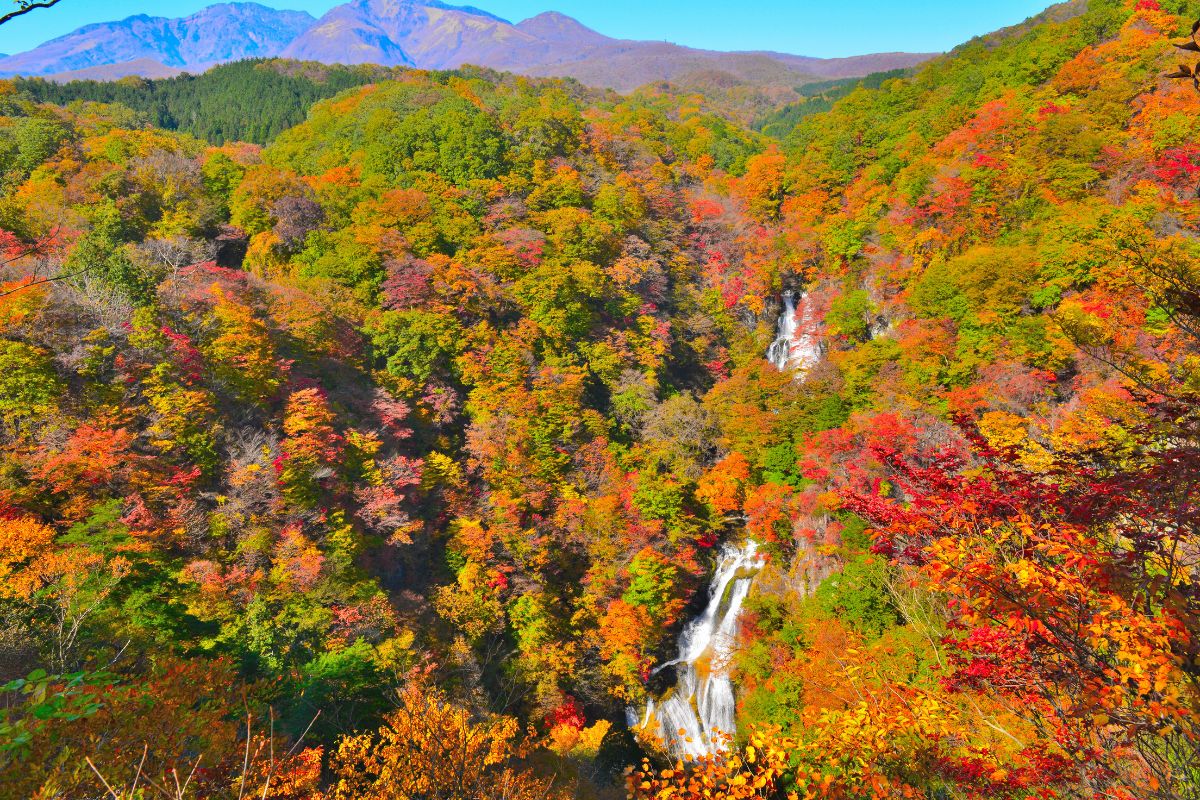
(797, 345)
(693, 716)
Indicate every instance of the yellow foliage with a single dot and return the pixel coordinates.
(21, 541)
(20, 306)
(430, 749)
(567, 740)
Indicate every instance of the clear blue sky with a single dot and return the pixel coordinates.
(804, 27)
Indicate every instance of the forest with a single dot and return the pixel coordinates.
(245, 101)
(380, 442)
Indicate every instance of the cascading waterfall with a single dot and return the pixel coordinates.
(692, 717)
(797, 345)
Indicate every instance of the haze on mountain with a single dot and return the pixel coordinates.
(425, 34)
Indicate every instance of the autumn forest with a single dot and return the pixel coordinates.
(392, 434)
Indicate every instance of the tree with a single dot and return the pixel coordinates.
(29, 385)
(183, 725)
(417, 345)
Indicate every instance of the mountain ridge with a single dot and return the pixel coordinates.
(425, 34)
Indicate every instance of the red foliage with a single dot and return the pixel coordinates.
(1052, 578)
(569, 714)
(1050, 109)
(185, 355)
(1178, 164)
(409, 283)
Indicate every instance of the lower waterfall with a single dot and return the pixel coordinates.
(692, 717)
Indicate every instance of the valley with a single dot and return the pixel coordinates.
(396, 412)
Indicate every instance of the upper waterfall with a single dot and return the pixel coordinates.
(797, 344)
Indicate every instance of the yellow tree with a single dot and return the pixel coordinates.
(430, 749)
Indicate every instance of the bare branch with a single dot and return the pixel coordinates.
(40, 281)
(101, 777)
(24, 7)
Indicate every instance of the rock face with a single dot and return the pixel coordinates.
(219, 33)
(427, 34)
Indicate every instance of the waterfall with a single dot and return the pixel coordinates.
(702, 704)
(797, 344)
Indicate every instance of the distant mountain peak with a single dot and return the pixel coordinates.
(225, 32)
(559, 27)
(388, 8)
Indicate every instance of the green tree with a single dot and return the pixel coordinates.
(416, 344)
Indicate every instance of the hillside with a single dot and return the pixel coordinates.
(393, 458)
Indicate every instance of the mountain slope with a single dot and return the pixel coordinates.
(224, 32)
(141, 67)
(246, 101)
(627, 65)
(437, 36)
(399, 32)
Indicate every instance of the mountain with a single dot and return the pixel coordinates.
(426, 34)
(430, 35)
(433, 35)
(632, 64)
(224, 32)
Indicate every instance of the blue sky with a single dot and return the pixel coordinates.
(805, 27)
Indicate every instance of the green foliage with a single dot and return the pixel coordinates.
(402, 128)
(651, 583)
(776, 703)
(416, 344)
(819, 97)
(29, 385)
(779, 465)
(532, 622)
(30, 141)
(40, 697)
(849, 315)
(983, 279)
(854, 536)
(859, 595)
(343, 685)
(221, 176)
(101, 255)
